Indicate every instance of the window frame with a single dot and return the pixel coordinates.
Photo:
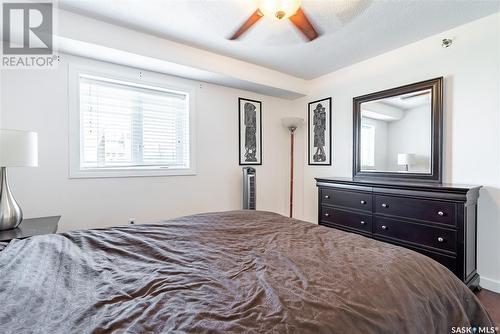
(134, 76)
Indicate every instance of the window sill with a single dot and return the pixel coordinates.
(128, 172)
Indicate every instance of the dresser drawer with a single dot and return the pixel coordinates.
(347, 199)
(449, 261)
(432, 211)
(418, 234)
(348, 219)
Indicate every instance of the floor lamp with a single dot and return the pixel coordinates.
(291, 123)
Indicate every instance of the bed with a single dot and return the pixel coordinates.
(229, 272)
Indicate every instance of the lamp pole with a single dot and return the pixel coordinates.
(291, 123)
(292, 132)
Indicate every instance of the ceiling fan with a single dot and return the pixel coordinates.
(280, 9)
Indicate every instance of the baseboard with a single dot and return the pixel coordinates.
(489, 284)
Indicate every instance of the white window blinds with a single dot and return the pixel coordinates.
(127, 125)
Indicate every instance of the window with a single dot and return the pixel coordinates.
(367, 145)
(130, 129)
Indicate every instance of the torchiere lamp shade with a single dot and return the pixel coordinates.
(292, 122)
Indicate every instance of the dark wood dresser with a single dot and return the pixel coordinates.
(437, 220)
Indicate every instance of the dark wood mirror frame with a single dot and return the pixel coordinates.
(436, 87)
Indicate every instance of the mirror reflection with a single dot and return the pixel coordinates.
(396, 133)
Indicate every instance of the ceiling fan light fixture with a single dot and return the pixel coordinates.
(279, 9)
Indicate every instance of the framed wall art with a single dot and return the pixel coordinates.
(319, 132)
(250, 131)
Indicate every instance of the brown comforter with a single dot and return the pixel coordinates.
(232, 272)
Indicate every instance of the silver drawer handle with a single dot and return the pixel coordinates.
(440, 239)
(327, 214)
(363, 223)
(363, 202)
(441, 213)
(385, 205)
(384, 227)
(327, 197)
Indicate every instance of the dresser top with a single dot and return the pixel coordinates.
(442, 187)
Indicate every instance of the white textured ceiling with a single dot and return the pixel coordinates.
(353, 30)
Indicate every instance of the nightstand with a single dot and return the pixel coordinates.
(31, 227)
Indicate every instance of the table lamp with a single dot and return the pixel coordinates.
(17, 149)
(291, 123)
(405, 159)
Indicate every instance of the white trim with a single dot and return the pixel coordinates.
(122, 172)
(117, 72)
(489, 284)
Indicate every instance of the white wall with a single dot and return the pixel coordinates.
(37, 100)
(471, 116)
(410, 134)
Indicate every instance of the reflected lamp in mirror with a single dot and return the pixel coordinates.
(405, 159)
(17, 149)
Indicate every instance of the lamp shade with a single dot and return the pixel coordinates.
(292, 122)
(18, 148)
(405, 158)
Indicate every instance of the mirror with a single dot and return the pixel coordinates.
(397, 133)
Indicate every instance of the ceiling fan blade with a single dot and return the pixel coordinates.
(300, 20)
(257, 15)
